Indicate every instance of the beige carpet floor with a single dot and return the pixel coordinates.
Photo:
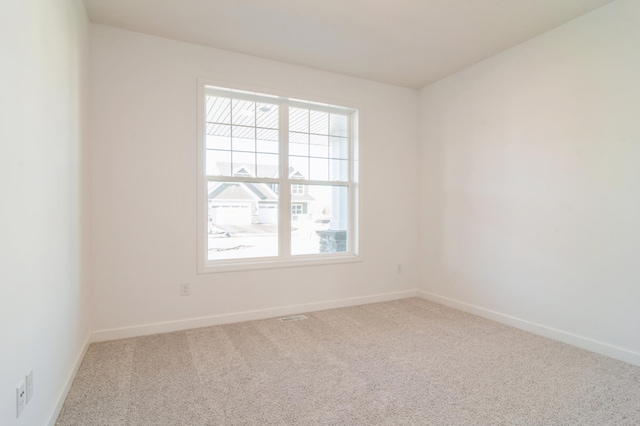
(402, 362)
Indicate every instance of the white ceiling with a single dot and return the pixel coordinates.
(408, 43)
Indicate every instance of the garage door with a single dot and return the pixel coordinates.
(231, 214)
(267, 213)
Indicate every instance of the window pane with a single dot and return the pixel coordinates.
(243, 138)
(298, 143)
(319, 169)
(268, 166)
(218, 110)
(267, 115)
(219, 142)
(319, 122)
(218, 163)
(244, 112)
(339, 125)
(267, 140)
(267, 147)
(299, 120)
(339, 170)
(218, 136)
(244, 164)
(298, 167)
(319, 146)
(241, 226)
(339, 148)
(321, 224)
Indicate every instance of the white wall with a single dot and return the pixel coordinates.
(44, 294)
(143, 114)
(530, 181)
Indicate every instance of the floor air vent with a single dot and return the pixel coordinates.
(293, 318)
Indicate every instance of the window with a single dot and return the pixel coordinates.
(297, 189)
(278, 181)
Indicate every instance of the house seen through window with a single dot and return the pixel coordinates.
(280, 178)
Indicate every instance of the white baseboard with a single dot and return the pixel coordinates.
(572, 339)
(169, 326)
(53, 417)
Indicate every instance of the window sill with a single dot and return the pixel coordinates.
(273, 264)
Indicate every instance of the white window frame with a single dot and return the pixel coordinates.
(284, 259)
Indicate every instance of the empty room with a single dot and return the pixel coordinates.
(297, 212)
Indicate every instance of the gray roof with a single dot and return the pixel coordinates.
(242, 191)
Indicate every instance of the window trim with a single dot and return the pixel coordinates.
(284, 259)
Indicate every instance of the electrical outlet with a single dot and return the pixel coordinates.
(399, 268)
(185, 289)
(21, 396)
(29, 382)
